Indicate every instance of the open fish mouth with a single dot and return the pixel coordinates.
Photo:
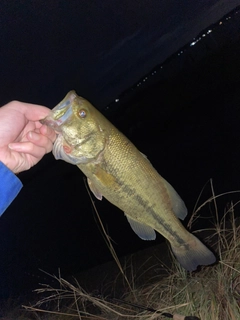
(48, 121)
(61, 113)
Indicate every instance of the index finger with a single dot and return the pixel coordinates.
(32, 112)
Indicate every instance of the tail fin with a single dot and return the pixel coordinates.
(192, 254)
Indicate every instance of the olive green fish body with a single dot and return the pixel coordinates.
(126, 178)
(118, 171)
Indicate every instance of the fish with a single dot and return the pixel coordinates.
(118, 171)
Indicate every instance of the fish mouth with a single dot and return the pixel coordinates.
(56, 118)
(61, 113)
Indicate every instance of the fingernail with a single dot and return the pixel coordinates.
(14, 146)
(33, 135)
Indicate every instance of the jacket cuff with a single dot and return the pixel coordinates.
(10, 186)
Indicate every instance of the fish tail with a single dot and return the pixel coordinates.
(192, 254)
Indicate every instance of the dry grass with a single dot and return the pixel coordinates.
(211, 293)
(208, 294)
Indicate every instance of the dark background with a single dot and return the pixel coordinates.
(166, 75)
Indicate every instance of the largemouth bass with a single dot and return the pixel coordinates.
(118, 171)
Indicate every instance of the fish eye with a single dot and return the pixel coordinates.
(82, 113)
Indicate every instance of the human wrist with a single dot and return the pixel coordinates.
(8, 165)
(5, 164)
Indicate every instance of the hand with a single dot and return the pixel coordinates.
(23, 139)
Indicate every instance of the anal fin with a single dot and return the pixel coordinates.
(142, 230)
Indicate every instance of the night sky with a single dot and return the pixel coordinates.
(183, 113)
(99, 48)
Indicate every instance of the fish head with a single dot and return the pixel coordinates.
(80, 137)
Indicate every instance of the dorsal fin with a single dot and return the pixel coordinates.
(178, 205)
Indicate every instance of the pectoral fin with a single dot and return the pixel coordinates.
(94, 190)
(142, 230)
(178, 205)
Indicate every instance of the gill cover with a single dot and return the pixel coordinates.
(60, 154)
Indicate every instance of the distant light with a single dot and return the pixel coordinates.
(209, 31)
(116, 100)
(220, 22)
(194, 42)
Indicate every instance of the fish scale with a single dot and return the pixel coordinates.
(118, 171)
(138, 196)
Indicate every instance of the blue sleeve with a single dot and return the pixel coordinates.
(10, 186)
